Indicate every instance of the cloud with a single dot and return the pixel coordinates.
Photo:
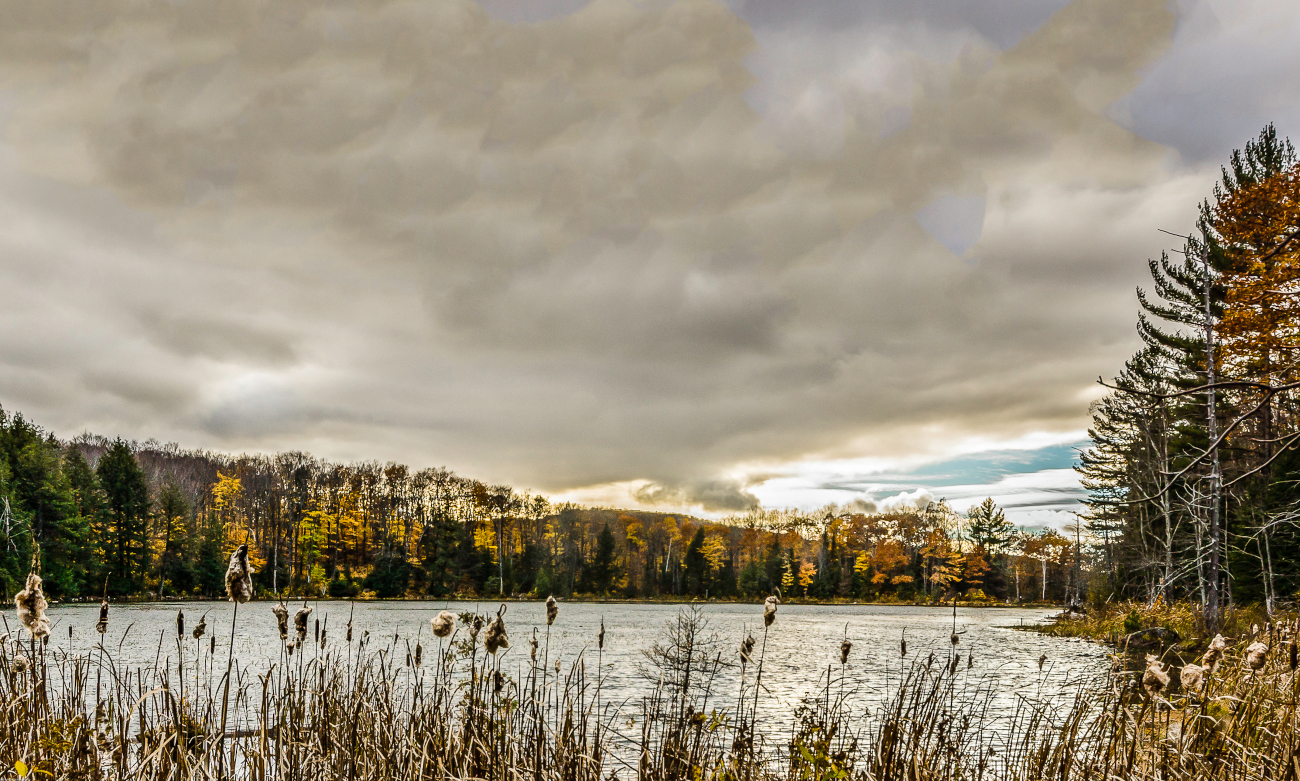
(578, 245)
(709, 495)
(915, 501)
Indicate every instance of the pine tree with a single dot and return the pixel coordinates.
(127, 493)
(603, 568)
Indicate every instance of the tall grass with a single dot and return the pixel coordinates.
(370, 708)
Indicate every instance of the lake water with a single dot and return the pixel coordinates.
(803, 642)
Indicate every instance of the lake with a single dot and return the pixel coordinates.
(801, 644)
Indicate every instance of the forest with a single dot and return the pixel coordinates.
(150, 520)
(1193, 468)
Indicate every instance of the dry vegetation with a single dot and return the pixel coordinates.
(340, 705)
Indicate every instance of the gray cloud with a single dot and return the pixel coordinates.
(566, 245)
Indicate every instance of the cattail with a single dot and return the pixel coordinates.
(180, 622)
(970, 660)
(495, 638)
(474, 627)
(845, 647)
(300, 621)
(288, 646)
(532, 646)
(31, 606)
(769, 610)
(281, 620)
(419, 653)
(239, 578)
(600, 637)
(557, 666)
(498, 682)
(322, 638)
(444, 623)
(1293, 654)
(1041, 660)
(902, 644)
(952, 666)
(19, 664)
(1255, 655)
(316, 631)
(954, 639)
(1192, 677)
(212, 644)
(552, 610)
(1214, 654)
(348, 635)
(101, 625)
(1154, 679)
(747, 650)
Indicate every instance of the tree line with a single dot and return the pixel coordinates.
(132, 519)
(1193, 470)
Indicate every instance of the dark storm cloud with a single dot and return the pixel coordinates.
(575, 244)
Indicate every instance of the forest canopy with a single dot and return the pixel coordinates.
(144, 519)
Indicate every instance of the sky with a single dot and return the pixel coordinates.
(691, 256)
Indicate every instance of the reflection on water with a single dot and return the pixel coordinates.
(800, 647)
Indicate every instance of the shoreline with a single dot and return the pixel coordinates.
(572, 600)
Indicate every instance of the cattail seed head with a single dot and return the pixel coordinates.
(1154, 679)
(845, 647)
(1192, 677)
(769, 610)
(532, 646)
(31, 606)
(1041, 660)
(954, 639)
(747, 650)
(600, 637)
(495, 638)
(552, 610)
(101, 625)
(281, 620)
(212, 644)
(475, 626)
(288, 646)
(1214, 654)
(419, 654)
(239, 577)
(970, 660)
(952, 666)
(316, 631)
(348, 635)
(557, 666)
(322, 638)
(443, 623)
(19, 664)
(300, 621)
(180, 622)
(498, 682)
(1293, 654)
(1256, 654)
(902, 644)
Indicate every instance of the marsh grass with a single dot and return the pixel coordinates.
(392, 709)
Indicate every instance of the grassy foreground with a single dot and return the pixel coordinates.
(340, 706)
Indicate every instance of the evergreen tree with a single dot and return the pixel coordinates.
(439, 546)
(696, 565)
(46, 497)
(173, 566)
(603, 568)
(127, 494)
(91, 505)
